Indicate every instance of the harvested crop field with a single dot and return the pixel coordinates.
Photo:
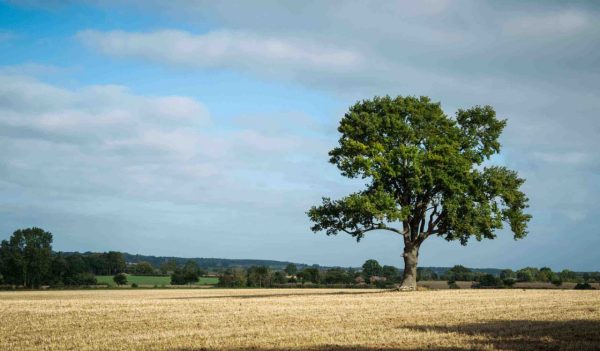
(300, 319)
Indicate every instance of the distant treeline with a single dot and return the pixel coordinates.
(211, 264)
(27, 260)
(372, 273)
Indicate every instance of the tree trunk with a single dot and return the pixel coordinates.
(411, 257)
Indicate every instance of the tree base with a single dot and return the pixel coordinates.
(404, 288)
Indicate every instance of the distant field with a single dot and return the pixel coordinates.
(300, 319)
(143, 280)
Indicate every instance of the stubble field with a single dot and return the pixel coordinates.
(300, 319)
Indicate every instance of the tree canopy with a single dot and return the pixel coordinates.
(26, 257)
(424, 173)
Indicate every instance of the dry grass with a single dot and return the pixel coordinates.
(300, 319)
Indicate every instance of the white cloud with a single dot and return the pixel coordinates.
(106, 139)
(554, 23)
(565, 158)
(229, 49)
(536, 63)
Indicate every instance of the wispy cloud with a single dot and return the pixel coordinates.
(112, 140)
(228, 49)
(553, 23)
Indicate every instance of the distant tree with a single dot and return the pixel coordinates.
(168, 266)
(391, 273)
(259, 276)
(459, 273)
(86, 279)
(337, 276)
(489, 281)
(507, 274)
(311, 274)
(567, 275)
(26, 258)
(120, 279)
(188, 274)
(586, 276)
(178, 277)
(509, 281)
(279, 278)
(97, 263)
(583, 286)
(556, 280)
(291, 269)
(58, 269)
(233, 278)
(425, 176)
(115, 262)
(527, 274)
(426, 274)
(142, 268)
(545, 274)
(371, 268)
(301, 277)
(76, 264)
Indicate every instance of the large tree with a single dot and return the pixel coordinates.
(424, 176)
(26, 257)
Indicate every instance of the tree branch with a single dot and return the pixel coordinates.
(378, 226)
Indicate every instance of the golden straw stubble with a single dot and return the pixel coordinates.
(299, 319)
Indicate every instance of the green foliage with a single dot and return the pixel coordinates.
(490, 281)
(545, 274)
(556, 280)
(381, 284)
(527, 274)
(459, 273)
(259, 276)
(426, 274)
(424, 173)
(106, 263)
(141, 268)
(567, 275)
(338, 276)
(279, 278)
(168, 267)
(509, 281)
(26, 258)
(508, 274)
(595, 276)
(115, 262)
(391, 274)
(291, 269)
(82, 279)
(371, 268)
(583, 286)
(134, 285)
(310, 275)
(188, 274)
(120, 278)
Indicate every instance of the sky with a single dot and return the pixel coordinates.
(201, 129)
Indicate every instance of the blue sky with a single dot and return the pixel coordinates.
(201, 129)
